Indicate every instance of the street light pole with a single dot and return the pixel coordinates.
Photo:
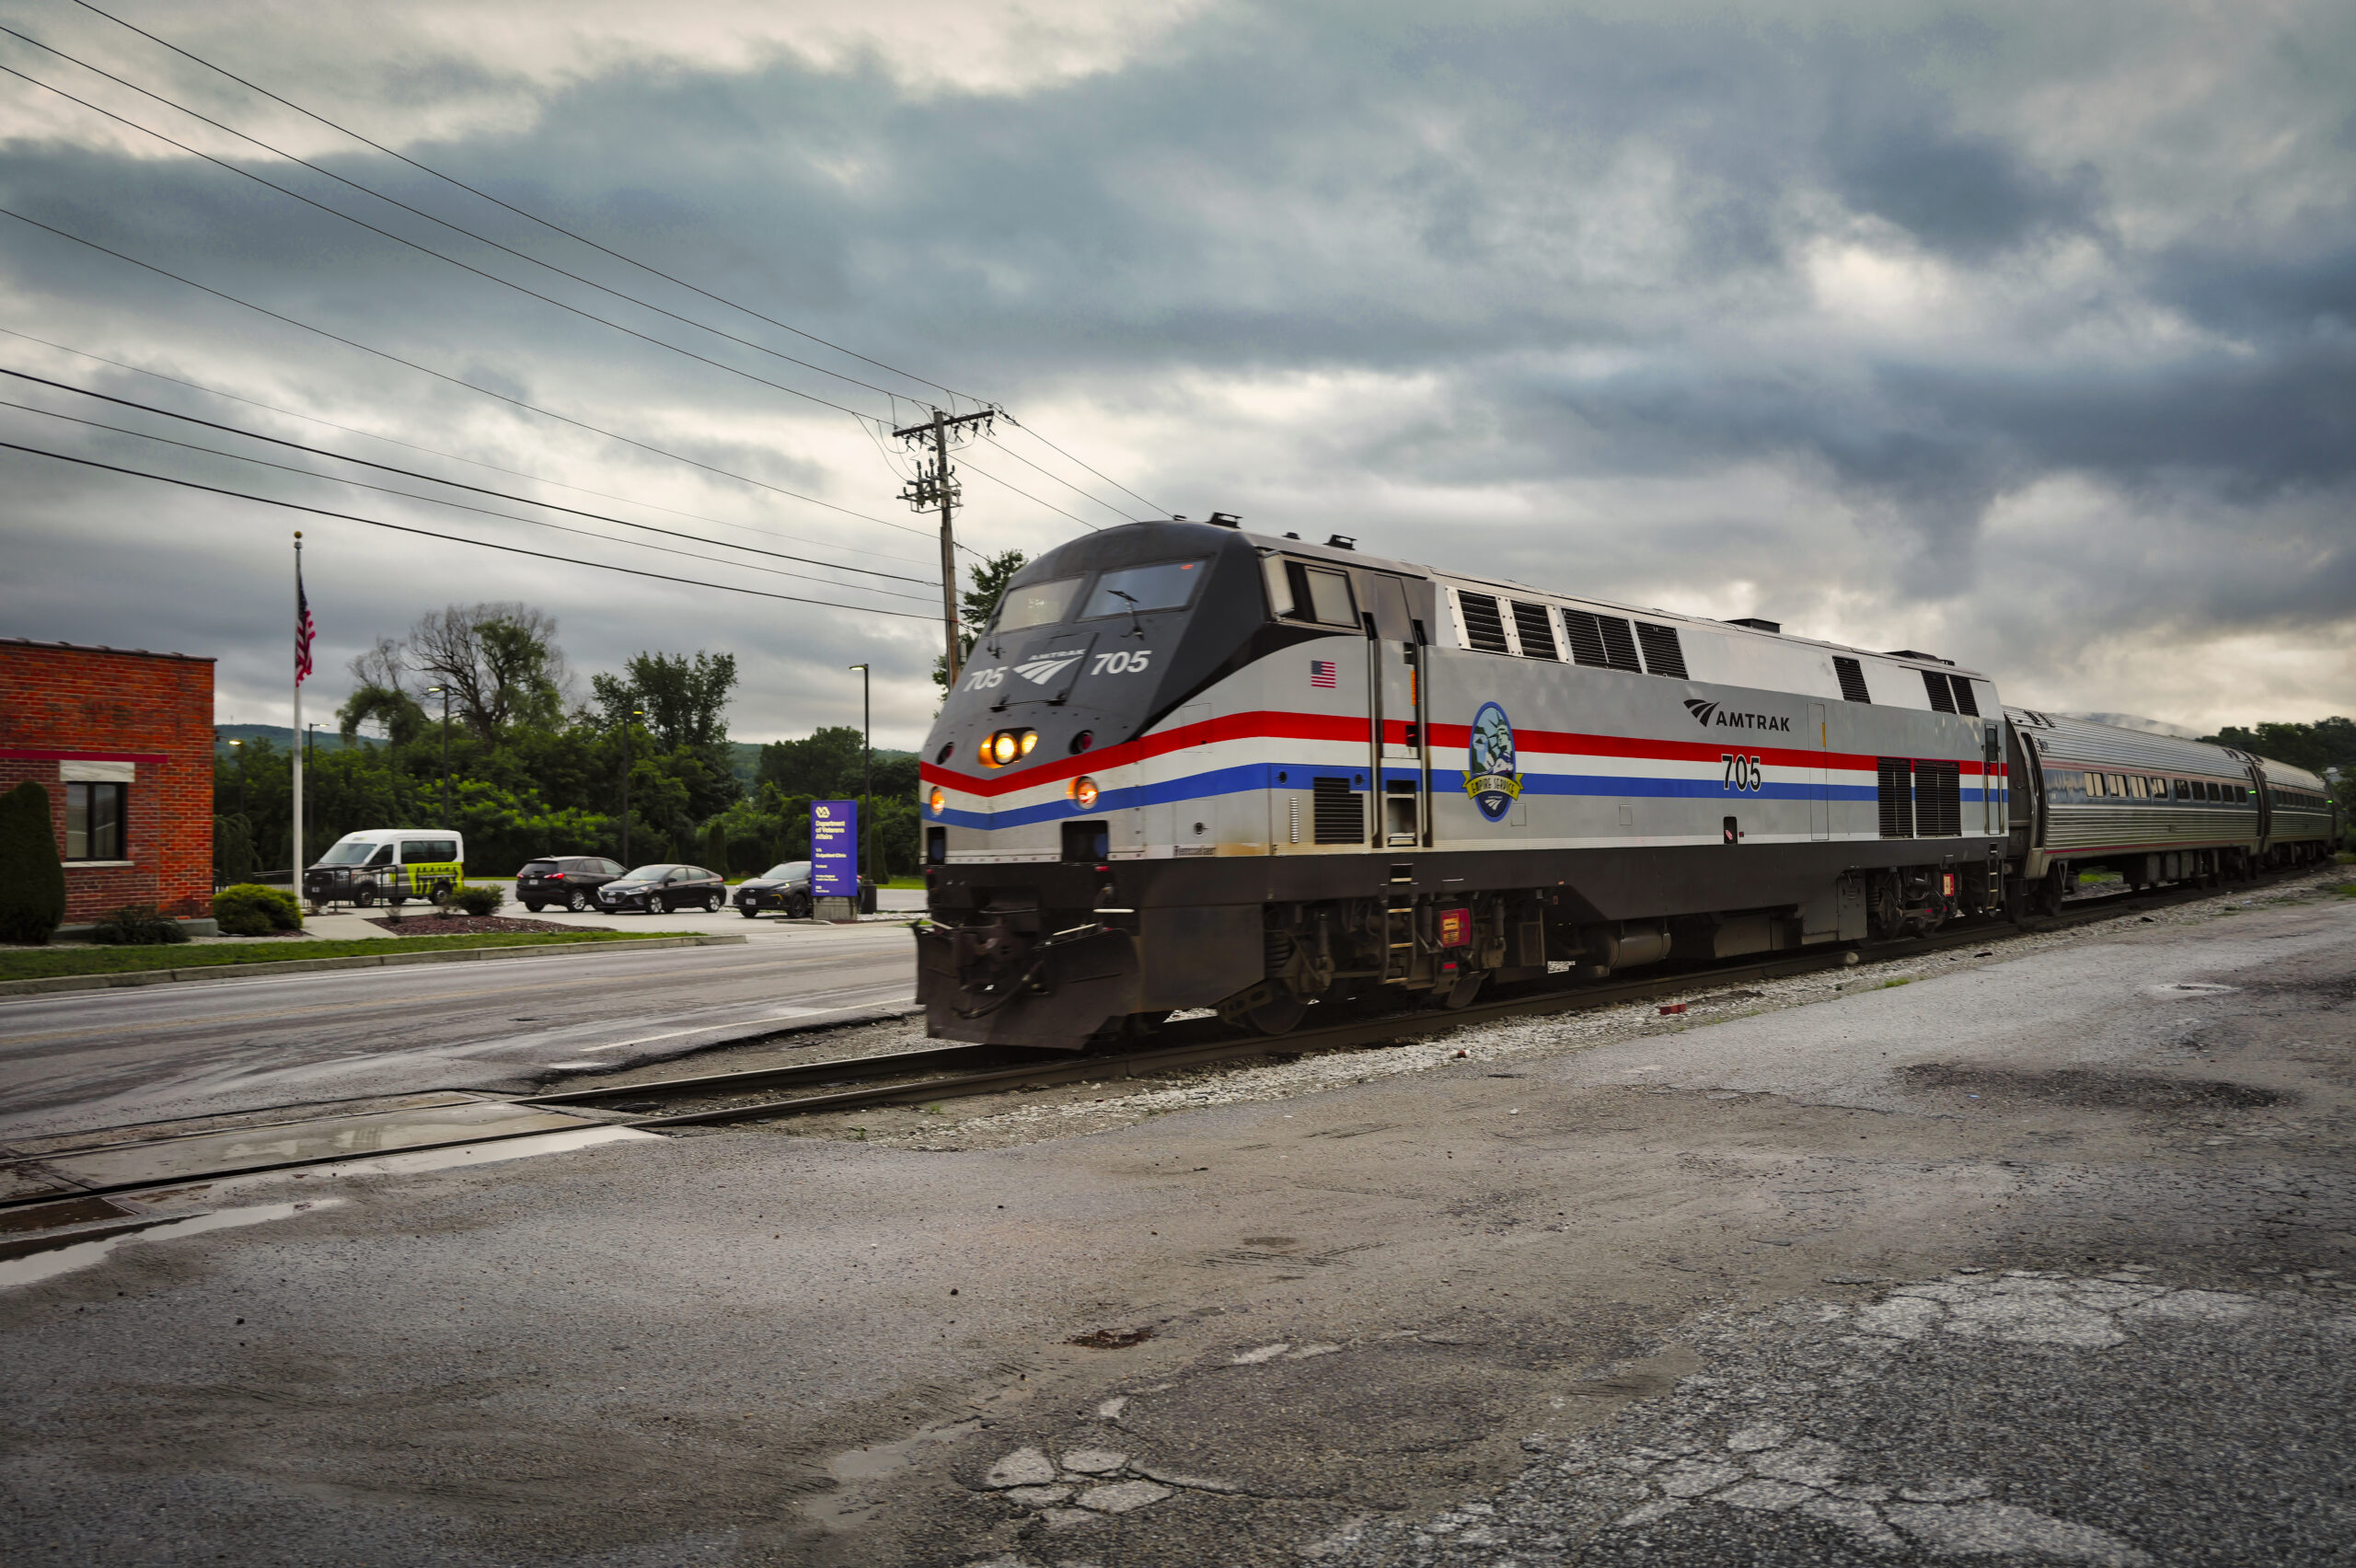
(629, 711)
(239, 747)
(866, 769)
(445, 752)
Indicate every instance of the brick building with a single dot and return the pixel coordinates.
(122, 741)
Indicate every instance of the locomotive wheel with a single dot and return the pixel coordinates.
(1277, 1017)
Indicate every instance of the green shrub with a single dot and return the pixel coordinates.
(250, 909)
(138, 925)
(32, 878)
(478, 899)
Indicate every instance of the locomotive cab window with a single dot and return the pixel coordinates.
(1164, 585)
(1036, 604)
(1298, 591)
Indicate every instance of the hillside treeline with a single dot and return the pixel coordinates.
(536, 764)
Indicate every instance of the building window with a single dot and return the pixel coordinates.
(94, 819)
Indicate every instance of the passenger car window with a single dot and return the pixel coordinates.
(428, 851)
(1165, 585)
(1036, 604)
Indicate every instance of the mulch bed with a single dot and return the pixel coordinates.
(470, 925)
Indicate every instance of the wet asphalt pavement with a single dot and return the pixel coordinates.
(2044, 1261)
(79, 1059)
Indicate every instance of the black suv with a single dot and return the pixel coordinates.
(571, 881)
(658, 890)
(784, 886)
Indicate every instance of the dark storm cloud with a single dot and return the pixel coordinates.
(1825, 300)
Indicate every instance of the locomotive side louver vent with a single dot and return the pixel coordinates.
(1853, 679)
(1587, 640)
(1484, 628)
(1938, 800)
(1618, 646)
(1339, 816)
(1663, 655)
(1964, 702)
(1894, 793)
(1537, 629)
(1942, 695)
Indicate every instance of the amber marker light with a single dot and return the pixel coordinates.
(940, 801)
(1084, 792)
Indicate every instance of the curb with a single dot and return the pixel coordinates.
(354, 961)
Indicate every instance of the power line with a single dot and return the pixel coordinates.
(521, 212)
(1034, 500)
(436, 452)
(389, 201)
(464, 266)
(578, 238)
(453, 484)
(451, 538)
(1069, 458)
(444, 375)
(1035, 467)
(438, 501)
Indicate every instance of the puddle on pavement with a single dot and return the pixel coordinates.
(452, 1157)
(230, 1151)
(38, 1267)
(845, 1507)
(49, 1216)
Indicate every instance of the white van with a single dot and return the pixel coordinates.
(395, 864)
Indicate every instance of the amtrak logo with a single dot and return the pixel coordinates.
(1708, 714)
(1489, 776)
(1042, 668)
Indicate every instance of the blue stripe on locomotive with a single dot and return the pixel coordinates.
(1261, 777)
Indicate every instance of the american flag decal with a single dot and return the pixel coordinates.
(1321, 673)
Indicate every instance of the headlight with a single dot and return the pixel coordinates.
(1005, 746)
(1084, 792)
(939, 801)
(1030, 739)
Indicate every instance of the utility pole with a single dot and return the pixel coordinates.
(629, 711)
(866, 767)
(936, 486)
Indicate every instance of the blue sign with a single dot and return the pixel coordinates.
(834, 848)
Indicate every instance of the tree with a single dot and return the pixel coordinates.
(32, 878)
(499, 661)
(826, 764)
(686, 700)
(397, 711)
(977, 603)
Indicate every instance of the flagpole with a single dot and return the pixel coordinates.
(297, 873)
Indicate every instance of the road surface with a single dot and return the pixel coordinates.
(81, 1059)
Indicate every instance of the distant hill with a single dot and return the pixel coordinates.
(278, 735)
(747, 761)
(2136, 722)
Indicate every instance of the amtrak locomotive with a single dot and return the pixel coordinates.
(1191, 766)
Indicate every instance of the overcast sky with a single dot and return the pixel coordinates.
(2023, 334)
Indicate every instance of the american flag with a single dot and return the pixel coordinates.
(1321, 673)
(304, 628)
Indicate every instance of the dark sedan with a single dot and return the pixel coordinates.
(658, 890)
(784, 886)
(571, 881)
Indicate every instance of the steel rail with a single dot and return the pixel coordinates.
(1202, 1043)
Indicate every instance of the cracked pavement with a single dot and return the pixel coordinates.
(2042, 1261)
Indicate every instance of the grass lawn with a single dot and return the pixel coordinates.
(79, 958)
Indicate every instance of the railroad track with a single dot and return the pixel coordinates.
(63, 1175)
(957, 1072)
